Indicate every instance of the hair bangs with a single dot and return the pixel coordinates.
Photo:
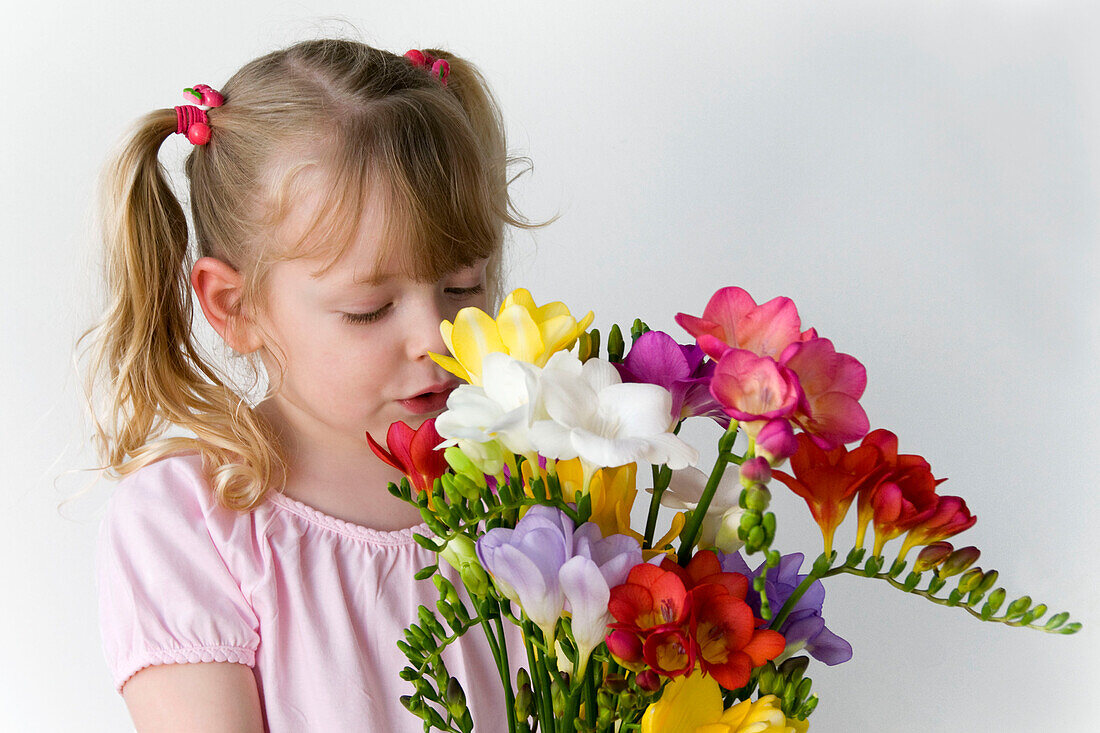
(442, 208)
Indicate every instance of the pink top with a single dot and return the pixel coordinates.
(313, 604)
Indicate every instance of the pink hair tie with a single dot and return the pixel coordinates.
(438, 68)
(191, 120)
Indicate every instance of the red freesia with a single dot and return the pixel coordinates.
(946, 519)
(828, 480)
(733, 320)
(412, 452)
(901, 494)
(751, 387)
(671, 617)
(651, 597)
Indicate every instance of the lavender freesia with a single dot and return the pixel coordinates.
(804, 628)
(656, 358)
(548, 568)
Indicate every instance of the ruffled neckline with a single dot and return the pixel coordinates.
(391, 538)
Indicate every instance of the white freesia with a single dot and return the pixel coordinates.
(719, 528)
(502, 409)
(594, 416)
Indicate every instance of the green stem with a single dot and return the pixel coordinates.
(793, 599)
(695, 521)
(590, 696)
(500, 652)
(930, 596)
(540, 678)
(661, 476)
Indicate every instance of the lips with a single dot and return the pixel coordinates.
(433, 399)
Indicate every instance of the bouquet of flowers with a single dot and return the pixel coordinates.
(529, 478)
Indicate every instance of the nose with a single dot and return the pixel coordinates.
(423, 335)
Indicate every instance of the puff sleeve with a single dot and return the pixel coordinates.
(171, 570)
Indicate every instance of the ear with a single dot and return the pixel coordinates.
(219, 289)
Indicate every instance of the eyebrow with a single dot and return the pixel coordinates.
(374, 279)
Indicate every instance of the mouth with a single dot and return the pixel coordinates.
(434, 399)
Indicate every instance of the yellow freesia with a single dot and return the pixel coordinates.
(693, 704)
(522, 330)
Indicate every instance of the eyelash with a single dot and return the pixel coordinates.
(377, 315)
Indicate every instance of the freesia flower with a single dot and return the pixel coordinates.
(719, 528)
(412, 452)
(752, 387)
(733, 320)
(899, 494)
(599, 564)
(693, 704)
(525, 331)
(547, 568)
(655, 358)
(804, 628)
(524, 563)
(831, 384)
(775, 442)
(949, 517)
(595, 417)
(828, 480)
(684, 615)
(651, 599)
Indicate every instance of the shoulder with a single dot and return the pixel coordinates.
(177, 481)
(164, 515)
(172, 496)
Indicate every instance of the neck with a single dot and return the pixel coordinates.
(343, 480)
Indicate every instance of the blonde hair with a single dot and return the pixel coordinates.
(365, 116)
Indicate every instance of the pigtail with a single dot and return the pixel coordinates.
(145, 363)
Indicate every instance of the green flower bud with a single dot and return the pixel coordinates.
(1018, 607)
(475, 579)
(615, 345)
(456, 698)
(525, 701)
(988, 580)
(557, 696)
(794, 667)
(994, 602)
(757, 498)
(958, 561)
(446, 588)
(459, 551)
(1056, 621)
(970, 580)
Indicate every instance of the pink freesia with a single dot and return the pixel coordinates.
(831, 384)
(733, 320)
(776, 442)
(752, 387)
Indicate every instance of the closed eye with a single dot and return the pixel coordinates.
(466, 292)
(367, 317)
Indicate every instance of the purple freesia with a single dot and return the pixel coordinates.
(804, 628)
(656, 358)
(547, 568)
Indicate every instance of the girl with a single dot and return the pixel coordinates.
(254, 572)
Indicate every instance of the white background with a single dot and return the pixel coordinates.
(921, 178)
